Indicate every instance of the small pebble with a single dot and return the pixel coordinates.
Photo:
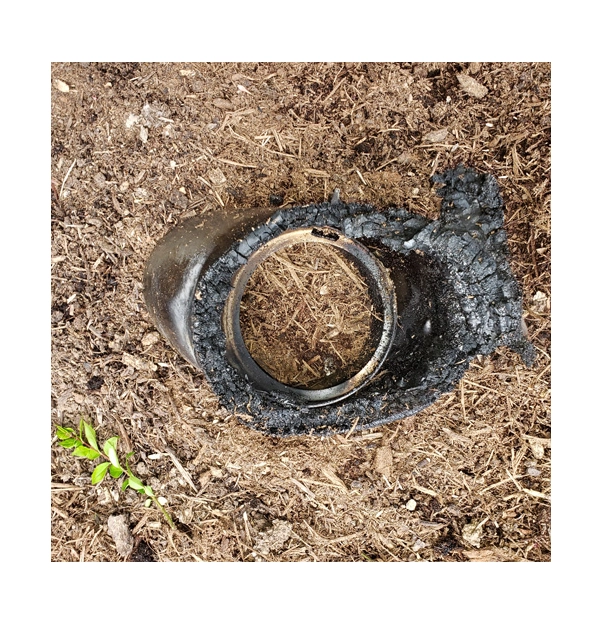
(418, 545)
(411, 505)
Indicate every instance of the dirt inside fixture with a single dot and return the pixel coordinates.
(307, 316)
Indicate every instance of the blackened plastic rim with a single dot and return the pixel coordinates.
(239, 356)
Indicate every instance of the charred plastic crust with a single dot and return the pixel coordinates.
(457, 298)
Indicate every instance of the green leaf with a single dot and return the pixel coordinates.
(113, 457)
(115, 472)
(113, 443)
(135, 483)
(99, 473)
(148, 503)
(110, 449)
(148, 491)
(85, 452)
(130, 454)
(91, 436)
(64, 433)
(124, 486)
(69, 443)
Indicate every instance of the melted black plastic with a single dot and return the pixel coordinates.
(453, 271)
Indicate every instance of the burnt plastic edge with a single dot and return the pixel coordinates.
(176, 263)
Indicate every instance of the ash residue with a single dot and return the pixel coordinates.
(457, 298)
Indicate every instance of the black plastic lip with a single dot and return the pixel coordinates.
(241, 359)
(176, 264)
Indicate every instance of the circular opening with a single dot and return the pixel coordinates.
(311, 314)
(307, 316)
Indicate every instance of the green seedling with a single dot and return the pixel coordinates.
(89, 449)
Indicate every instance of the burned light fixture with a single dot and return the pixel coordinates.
(441, 293)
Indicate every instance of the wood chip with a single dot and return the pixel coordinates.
(472, 534)
(490, 555)
(61, 86)
(223, 104)
(204, 479)
(429, 492)
(181, 469)
(471, 86)
(274, 539)
(150, 339)
(329, 472)
(117, 527)
(217, 177)
(456, 436)
(436, 136)
(538, 451)
(384, 461)
(138, 363)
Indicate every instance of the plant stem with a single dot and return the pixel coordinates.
(169, 519)
(166, 514)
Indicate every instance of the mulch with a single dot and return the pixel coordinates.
(138, 147)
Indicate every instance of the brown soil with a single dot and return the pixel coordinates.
(135, 148)
(306, 316)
